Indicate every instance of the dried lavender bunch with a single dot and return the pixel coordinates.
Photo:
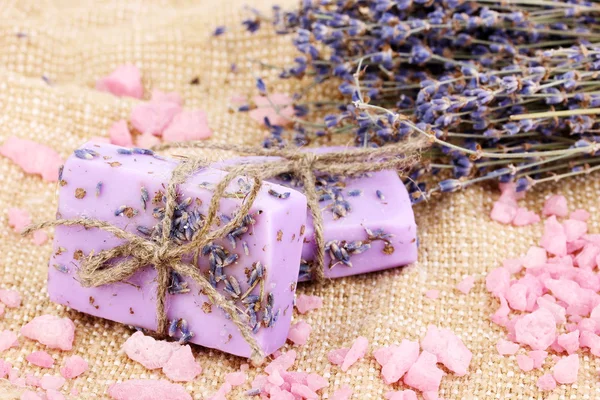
(505, 90)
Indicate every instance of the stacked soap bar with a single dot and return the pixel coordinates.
(369, 223)
(126, 187)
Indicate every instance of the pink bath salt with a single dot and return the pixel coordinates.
(147, 141)
(466, 284)
(99, 139)
(384, 354)
(535, 257)
(588, 279)
(588, 324)
(282, 363)
(304, 391)
(73, 367)
(574, 229)
(166, 97)
(448, 348)
(10, 298)
(537, 330)
(506, 347)
(264, 109)
(146, 389)
(153, 117)
(52, 382)
(236, 378)
(41, 359)
(343, 393)
(126, 80)
(510, 188)
(8, 339)
(30, 395)
(15, 378)
(275, 378)
(591, 341)
(401, 359)
(356, 352)
(557, 348)
(580, 301)
(316, 382)
(337, 356)
(306, 303)
(595, 314)
(32, 380)
(52, 331)
(500, 317)
(513, 265)
(119, 134)
(299, 333)
(188, 125)
(40, 237)
(558, 312)
(18, 219)
(587, 258)
(424, 375)
(575, 245)
(546, 382)
(5, 368)
(149, 352)
(525, 217)
(497, 281)
(566, 369)
(432, 294)
(517, 296)
(580, 215)
(556, 205)
(182, 366)
(569, 341)
(524, 362)
(54, 395)
(554, 239)
(503, 212)
(32, 157)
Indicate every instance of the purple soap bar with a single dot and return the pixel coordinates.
(126, 188)
(369, 223)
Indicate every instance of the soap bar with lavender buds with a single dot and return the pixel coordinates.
(126, 187)
(369, 223)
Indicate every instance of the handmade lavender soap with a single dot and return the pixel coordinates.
(369, 223)
(126, 187)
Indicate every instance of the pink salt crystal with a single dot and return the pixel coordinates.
(525, 217)
(574, 229)
(153, 117)
(99, 139)
(524, 362)
(181, 366)
(587, 324)
(147, 141)
(400, 360)
(299, 333)
(557, 348)
(510, 188)
(587, 258)
(500, 317)
(557, 311)
(556, 205)
(580, 215)
(5, 368)
(40, 237)
(32, 157)
(503, 212)
(595, 314)
(535, 257)
(575, 245)
(466, 284)
(264, 109)
(54, 395)
(188, 125)
(236, 378)
(343, 393)
(497, 281)
(580, 301)
(74, 366)
(506, 347)
(569, 341)
(448, 348)
(356, 352)
(52, 382)
(119, 134)
(554, 239)
(166, 97)
(29, 395)
(18, 218)
(591, 341)
(126, 80)
(275, 378)
(32, 380)
(282, 363)
(432, 294)
(316, 382)
(10, 298)
(424, 375)
(142, 389)
(546, 382)
(52, 331)
(306, 303)
(149, 352)
(513, 265)
(517, 296)
(15, 379)
(41, 359)
(8, 339)
(303, 391)
(566, 369)
(337, 356)
(537, 330)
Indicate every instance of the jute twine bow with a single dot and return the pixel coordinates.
(121, 262)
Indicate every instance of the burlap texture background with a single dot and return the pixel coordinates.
(72, 43)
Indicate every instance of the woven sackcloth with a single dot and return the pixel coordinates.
(74, 42)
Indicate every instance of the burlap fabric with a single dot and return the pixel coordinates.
(72, 43)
